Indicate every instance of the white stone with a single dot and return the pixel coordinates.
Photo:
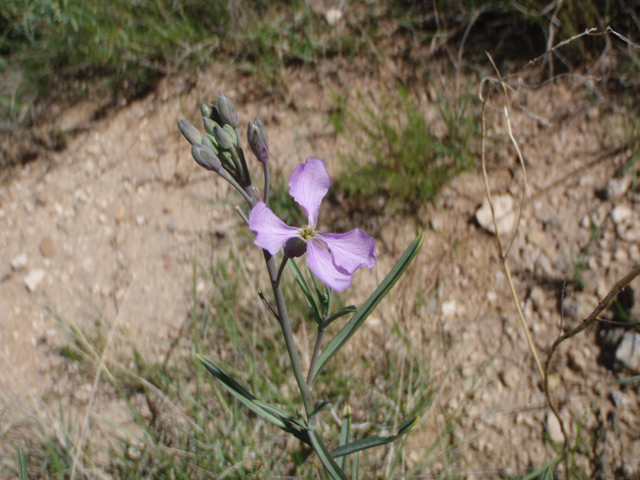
(19, 262)
(553, 428)
(505, 211)
(333, 15)
(449, 308)
(33, 279)
(628, 352)
(621, 214)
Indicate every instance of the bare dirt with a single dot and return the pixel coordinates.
(104, 236)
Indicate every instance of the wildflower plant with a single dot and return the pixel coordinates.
(331, 258)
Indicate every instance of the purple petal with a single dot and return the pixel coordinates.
(271, 232)
(351, 250)
(308, 185)
(321, 264)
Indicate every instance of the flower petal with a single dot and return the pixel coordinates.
(308, 185)
(271, 232)
(351, 250)
(321, 264)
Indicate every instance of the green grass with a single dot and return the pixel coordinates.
(402, 159)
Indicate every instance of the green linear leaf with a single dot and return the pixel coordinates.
(375, 440)
(358, 319)
(345, 434)
(317, 410)
(340, 313)
(22, 466)
(325, 457)
(270, 413)
(306, 289)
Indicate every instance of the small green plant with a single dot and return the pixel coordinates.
(402, 159)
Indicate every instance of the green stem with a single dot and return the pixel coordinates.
(250, 200)
(314, 357)
(285, 325)
(266, 182)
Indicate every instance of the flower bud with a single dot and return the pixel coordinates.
(295, 247)
(258, 140)
(210, 141)
(257, 193)
(191, 133)
(227, 111)
(209, 125)
(205, 157)
(224, 138)
(205, 110)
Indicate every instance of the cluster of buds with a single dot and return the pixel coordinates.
(220, 149)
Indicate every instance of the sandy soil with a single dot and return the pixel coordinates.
(104, 236)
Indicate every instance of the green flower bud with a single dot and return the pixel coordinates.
(191, 133)
(205, 110)
(224, 138)
(210, 141)
(231, 131)
(227, 111)
(258, 140)
(205, 157)
(295, 247)
(209, 125)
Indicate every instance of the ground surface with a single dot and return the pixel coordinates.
(110, 226)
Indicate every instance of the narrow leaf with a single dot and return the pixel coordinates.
(327, 460)
(355, 467)
(374, 441)
(340, 313)
(306, 289)
(22, 466)
(345, 434)
(358, 319)
(272, 414)
(317, 410)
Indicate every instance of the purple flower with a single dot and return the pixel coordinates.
(308, 185)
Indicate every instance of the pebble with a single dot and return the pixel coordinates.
(19, 262)
(535, 237)
(33, 279)
(121, 214)
(48, 247)
(506, 214)
(617, 187)
(621, 214)
(628, 352)
(553, 428)
(619, 399)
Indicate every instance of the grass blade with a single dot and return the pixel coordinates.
(345, 434)
(374, 441)
(327, 460)
(358, 319)
(22, 466)
(270, 413)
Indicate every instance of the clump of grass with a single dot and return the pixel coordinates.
(406, 161)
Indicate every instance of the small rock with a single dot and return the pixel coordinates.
(48, 247)
(628, 352)
(621, 214)
(535, 237)
(553, 428)
(538, 297)
(121, 214)
(333, 15)
(577, 361)
(619, 399)
(140, 220)
(435, 223)
(449, 308)
(172, 226)
(506, 214)
(621, 255)
(33, 279)
(617, 187)
(19, 262)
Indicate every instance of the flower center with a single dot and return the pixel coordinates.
(307, 233)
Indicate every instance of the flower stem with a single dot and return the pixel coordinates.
(285, 325)
(266, 182)
(314, 357)
(235, 185)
